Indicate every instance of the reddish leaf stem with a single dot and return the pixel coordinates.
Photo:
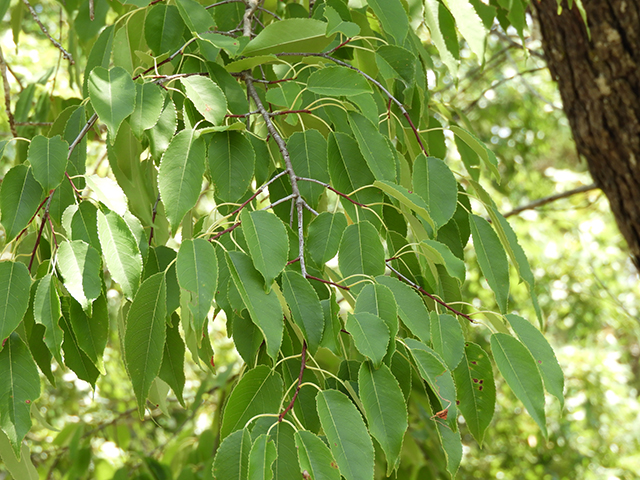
(226, 230)
(432, 297)
(303, 363)
(326, 281)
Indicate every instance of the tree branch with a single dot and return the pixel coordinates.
(552, 198)
(299, 201)
(7, 95)
(66, 54)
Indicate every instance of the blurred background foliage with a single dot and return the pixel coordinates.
(586, 284)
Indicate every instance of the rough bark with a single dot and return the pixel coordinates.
(599, 81)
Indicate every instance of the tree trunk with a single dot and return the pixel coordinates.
(599, 81)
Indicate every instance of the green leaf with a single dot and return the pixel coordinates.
(305, 307)
(83, 224)
(323, 236)
(447, 338)
(108, 192)
(91, 333)
(206, 97)
(411, 308)
(396, 63)
(308, 152)
(163, 29)
(19, 199)
(161, 134)
(180, 175)
(521, 373)
(435, 183)
(46, 310)
(408, 199)
(439, 253)
(251, 62)
(315, 457)
(337, 81)
(195, 16)
(232, 45)
(258, 391)
(290, 35)
(476, 390)
(492, 259)
(379, 300)
(231, 165)
(361, 252)
(542, 353)
(148, 107)
(393, 18)
(232, 458)
(335, 23)
(113, 96)
(452, 446)
(431, 19)
(268, 243)
(374, 147)
(486, 155)
(80, 267)
(286, 465)
(144, 336)
(348, 437)
(74, 357)
(19, 466)
(385, 409)
(48, 158)
(469, 25)
(121, 252)
(172, 368)
(433, 369)
(263, 454)
(15, 284)
(264, 308)
(370, 335)
(197, 269)
(19, 387)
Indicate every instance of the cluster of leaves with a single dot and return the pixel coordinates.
(278, 167)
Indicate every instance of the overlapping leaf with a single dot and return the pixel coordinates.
(20, 196)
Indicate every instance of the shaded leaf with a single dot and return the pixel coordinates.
(232, 458)
(286, 464)
(385, 409)
(542, 353)
(15, 285)
(172, 367)
(19, 387)
(74, 357)
(148, 107)
(144, 337)
(315, 457)
(411, 308)
(231, 165)
(305, 307)
(476, 390)
(336, 81)
(374, 147)
(437, 186)
(520, 371)
(393, 18)
(348, 437)
(361, 252)
(308, 152)
(163, 28)
(447, 338)
(323, 236)
(20, 196)
(258, 391)
(263, 454)
(46, 310)
(370, 335)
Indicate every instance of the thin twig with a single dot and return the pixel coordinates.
(432, 297)
(226, 230)
(269, 12)
(222, 3)
(34, 124)
(326, 185)
(282, 146)
(258, 192)
(45, 215)
(279, 201)
(372, 80)
(303, 363)
(7, 94)
(552, 198)
(17, 77)
(66, 54)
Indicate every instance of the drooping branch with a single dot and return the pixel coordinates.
(432, 297)
(66, 54)
(552, 198)
(303, 363)
(7, 95)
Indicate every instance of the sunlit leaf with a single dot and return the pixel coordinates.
(370, 335)
(80, 266)
(207, 98)
(113, 96)
(337, 81)
(305, 307)
(290, 35)
(20, 196)
(48, 158)
(15, 283)
(263, 454)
